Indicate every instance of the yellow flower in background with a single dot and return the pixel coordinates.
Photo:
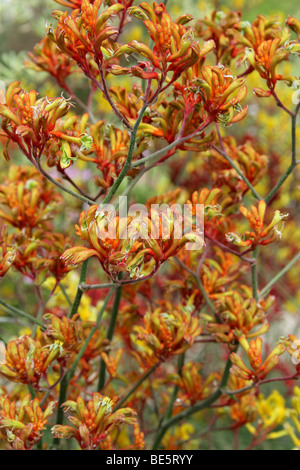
(136, 32)
(272, 413)
(86, 310)
(239, 3)
(271, 409)
(294, 415)
(174, 438)
(25, 331)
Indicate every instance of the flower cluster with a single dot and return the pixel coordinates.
(136, 246)
(165, 334)
(250, 161)
(94, 421)
(27, 200)
(260, 234)
(260, 369)
(29, 122)
(84, 32)
(27, 360)
(238, 313)
(175, 49)
(191, 383)
(149, 327)
(22, 423)
(7, 251)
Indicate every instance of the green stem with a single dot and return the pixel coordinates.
(201, 287)
(280, 183)
(105, 91)
(193, 409)
(93, 330)
(79, 292)
(254, 275)
(21, 313)
(32, 392)
(258, 384)
(237, 169)
(131, 185)
(65, 294)
(169, 410)
(127, 165)
(293, 163)
(62, 187)
(164, 150)
(273, 281)
(136, 386)
(68, 376)
(85, 287)
(109, 336)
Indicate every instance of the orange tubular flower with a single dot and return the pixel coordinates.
(217, 273)
(192, 384)
(220, 27)
(77, 3)
(27, 199)
(265, 60)
(262, 29)
(174, 47)
(22, 424)
(27, 361)
(260, 369)
(259, 235)
(69, 142)
(84, 32)
(130, 104)
(244, 410)
(66, 331)
(222, 94)
(112, 362)
(93, 421)
(294, 25)
(7, 251)
(164, 334)
(40, 255)
(110, 147)
(46, 58)
(263, 47)
(137, 246)
(239, 313)
(71, 3)
(28, 121)
(209, 198)
(250, 162)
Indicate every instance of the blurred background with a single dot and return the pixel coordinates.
(23, 24)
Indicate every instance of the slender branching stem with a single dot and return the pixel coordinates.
(110, 333)
(136, 386)
(62, 187)
(254, 275)
(79, 292)
(193, 409)
(276, 278)
(20, 313)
